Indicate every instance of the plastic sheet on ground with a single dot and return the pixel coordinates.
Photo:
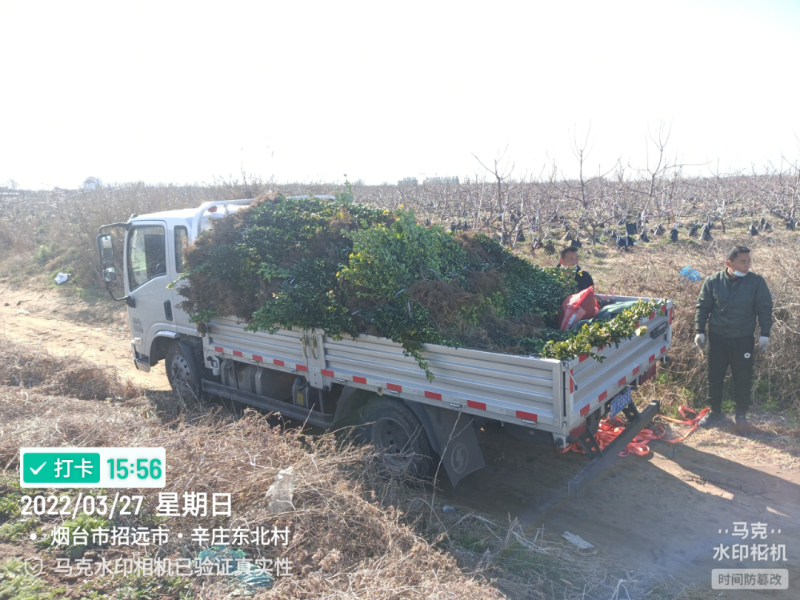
(577, 540)
(250, 575)
(690, 274)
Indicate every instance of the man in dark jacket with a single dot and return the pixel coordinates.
(569, 260)
(730, 302)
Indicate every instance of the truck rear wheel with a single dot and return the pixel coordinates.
(394, 430)
(182, 371)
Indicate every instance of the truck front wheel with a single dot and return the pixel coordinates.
(182, 371)
(393, 429)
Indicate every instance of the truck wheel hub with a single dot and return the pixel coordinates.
(180, 370)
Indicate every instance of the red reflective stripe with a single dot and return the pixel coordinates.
(478, 405)
(327, 373)
(358, 379)
(280, 363)
(652, 357)
(218, 349)
(526, 415)
(671, 314)
(571, 381)
(433, 395)
(622, 381)
(602, 396)
(258, 358)
(585, 410)
(652, 316)
(636, 370)
(582, 357)
(394, 387)
(663, 349)
(301, 367)
(237, 353)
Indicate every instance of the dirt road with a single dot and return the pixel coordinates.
(66, 326)
(668, 513)
(663, 514)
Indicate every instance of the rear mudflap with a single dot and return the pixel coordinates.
(452, 436)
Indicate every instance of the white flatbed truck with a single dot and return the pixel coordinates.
(310, 377)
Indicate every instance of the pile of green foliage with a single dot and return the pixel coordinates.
(347, 269)
(591, 336)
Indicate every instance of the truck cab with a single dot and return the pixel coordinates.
(152, 261)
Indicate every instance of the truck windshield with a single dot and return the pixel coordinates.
(146, 254)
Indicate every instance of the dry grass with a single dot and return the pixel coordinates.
(347, 539)
(63, 376)
(540, 565)
(343, 543)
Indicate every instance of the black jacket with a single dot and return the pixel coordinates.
(730, 305)
(582, 277)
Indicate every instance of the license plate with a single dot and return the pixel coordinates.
(619, 402)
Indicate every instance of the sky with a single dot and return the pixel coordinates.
(186, 92)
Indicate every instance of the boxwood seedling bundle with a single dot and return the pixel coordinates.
(350, 269)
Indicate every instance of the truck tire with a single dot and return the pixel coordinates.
(395, 431)
(182, 371)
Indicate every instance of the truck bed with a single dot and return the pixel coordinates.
(546, 394)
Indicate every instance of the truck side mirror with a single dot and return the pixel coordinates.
(105, 250)
(110, 274)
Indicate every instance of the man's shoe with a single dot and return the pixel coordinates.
(743, 426)
(712, 419)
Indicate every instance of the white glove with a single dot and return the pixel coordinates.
(763, 342)
(700, 340)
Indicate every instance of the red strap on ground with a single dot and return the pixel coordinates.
(609, 429)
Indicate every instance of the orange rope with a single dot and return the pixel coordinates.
(609, 429)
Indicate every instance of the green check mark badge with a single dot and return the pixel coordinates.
(61, 467)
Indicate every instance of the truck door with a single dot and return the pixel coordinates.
(146, 282)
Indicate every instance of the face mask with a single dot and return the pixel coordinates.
(739, 273)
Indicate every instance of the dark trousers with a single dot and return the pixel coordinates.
(738, 354)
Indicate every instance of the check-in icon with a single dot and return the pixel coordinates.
(36, 471)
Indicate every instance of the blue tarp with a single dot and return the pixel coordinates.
(690, 274)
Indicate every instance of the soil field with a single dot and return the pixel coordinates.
(665, 513)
